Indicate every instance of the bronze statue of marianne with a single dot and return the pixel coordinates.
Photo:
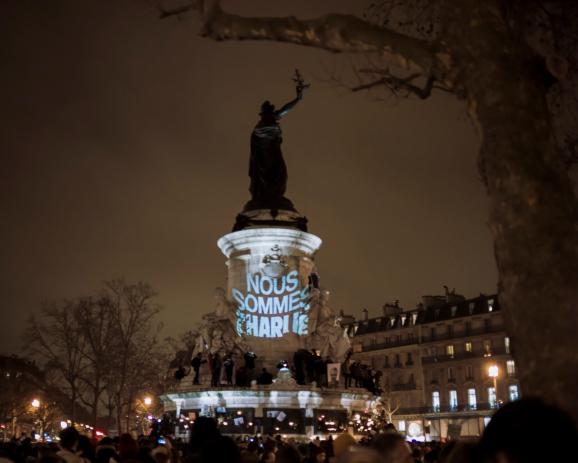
(267, 167)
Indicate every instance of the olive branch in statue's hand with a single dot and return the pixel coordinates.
(300, 84)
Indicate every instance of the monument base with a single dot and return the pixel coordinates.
(288, 410)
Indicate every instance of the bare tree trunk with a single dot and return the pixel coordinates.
(533, 210)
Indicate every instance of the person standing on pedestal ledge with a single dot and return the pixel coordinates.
(265, 377)
(229, 365)
(216, 366)
(196, 364)
(267, 167)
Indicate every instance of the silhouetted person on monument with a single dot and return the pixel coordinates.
(196, 364)
(216, 370)
(229, 365)
(267, 167)
(265, 377)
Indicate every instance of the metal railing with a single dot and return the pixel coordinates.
(460, 408)
(424, 338)
(463, 355)
(462, 333)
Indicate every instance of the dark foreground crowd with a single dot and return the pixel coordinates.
(525, 431)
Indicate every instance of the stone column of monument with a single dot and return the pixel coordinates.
(268, 282)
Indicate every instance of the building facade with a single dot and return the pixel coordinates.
(446, 365)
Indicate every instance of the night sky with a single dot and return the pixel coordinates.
(125, 147)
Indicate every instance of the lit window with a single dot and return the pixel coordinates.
(513, 392)
(511, 367)
(492, 397)
(487, 348)
(507, 344)
(401, 425)
(450, 350)
(435, 401)
(453, 399)
(472, 401)
(468, 346)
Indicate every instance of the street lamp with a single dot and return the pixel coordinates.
(35, 403)
(148, 401)
(493, 372)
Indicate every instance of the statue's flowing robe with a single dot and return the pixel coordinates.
(267, 167)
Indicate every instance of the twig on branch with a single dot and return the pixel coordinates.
(396, 84)
(175, 11)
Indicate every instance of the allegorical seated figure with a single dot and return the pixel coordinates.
(217, 332)
(267, 167)
(328, 336)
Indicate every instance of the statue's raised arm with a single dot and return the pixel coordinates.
(300, 85)
(267, 167)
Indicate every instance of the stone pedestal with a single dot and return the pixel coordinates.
(275, 409)
(269, 269)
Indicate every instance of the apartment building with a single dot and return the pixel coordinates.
(446, 364)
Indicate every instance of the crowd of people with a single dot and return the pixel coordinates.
(524, 431)
(308, 367)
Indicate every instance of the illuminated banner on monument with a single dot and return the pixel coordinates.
(272, 306)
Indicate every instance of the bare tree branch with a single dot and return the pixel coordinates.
(337, 33)
(176, 11)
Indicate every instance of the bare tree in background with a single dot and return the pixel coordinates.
(102, 349)
(98, 332)
(133, 312)
(55, 339)
(485, 53)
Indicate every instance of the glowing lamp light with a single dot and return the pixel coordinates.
(63, 425)
(493, 371)
(35, 403)
(148, 401)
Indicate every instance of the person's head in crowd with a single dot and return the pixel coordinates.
(207, 445)
(360, 454)
(392, 448)
(318, 455)
(287, 454)
(161, 454)
(461, 452)
(69, 439)
(268, 457)
(84, 448)
(253, 446)
(127, 447)
(204, 430)
(342, 444)
(529, 430)
(446, 450)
